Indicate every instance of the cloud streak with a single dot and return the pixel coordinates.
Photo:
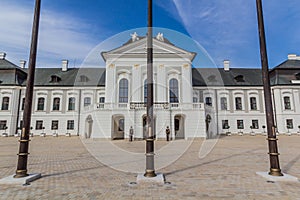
(60, 36)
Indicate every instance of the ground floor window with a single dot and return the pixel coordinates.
(54, 125)
(255, 124)
(289, 124)
(39, 125)
(240, 124)
(225, 124)
(70, 125)
(3, 124)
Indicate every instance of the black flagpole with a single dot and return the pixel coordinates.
(272, 140)
(24, 139)
(150, 172)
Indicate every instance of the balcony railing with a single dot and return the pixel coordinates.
(143, 106)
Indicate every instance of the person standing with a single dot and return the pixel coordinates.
(168, 133)
(130, 134)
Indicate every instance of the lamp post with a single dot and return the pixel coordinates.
(24, 139)
(272, 140)
(150, 172)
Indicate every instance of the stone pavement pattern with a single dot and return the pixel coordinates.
(69, 171)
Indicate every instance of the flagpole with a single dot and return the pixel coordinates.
(24, 138)
(272, 140)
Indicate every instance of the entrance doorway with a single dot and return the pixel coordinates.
(179, 127)
(118, 127)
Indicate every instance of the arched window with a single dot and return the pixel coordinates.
(41, 103)
(5, 103)
(145, 91)
(86, 101)
(71, 105)
(173, 84)
(123, 91)
(56, 103)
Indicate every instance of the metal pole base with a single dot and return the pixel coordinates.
(150, 173)
(21, 174)
(275, 172)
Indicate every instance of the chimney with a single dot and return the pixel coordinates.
(226, 65)
(2, 55)
(64, 65)
(293, 57)
(22, 64)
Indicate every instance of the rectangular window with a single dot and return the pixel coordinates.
(223, 103)
(3, 124)
(240, 124)
(289, 124)
(39, 125)
(238, 103)
(86, 101)
(41, 103)
(255, 124)
(56, 103)
(71, 105)
(5, 103)
(70, 125)
(208, 101)
(54, 125)
(253, 104)
(195, 99)
(225, 124)
(287, 103)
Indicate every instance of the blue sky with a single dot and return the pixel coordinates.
(225, 29)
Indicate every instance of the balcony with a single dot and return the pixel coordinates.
(143, 106)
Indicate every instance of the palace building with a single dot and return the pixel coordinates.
(191, 101)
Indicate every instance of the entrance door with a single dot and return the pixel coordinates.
(118, 127)
(179, 127)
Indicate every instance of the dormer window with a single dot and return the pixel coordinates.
(212, 78)
(84, 78)
(297, 76)
(239, 78)
(55, 79)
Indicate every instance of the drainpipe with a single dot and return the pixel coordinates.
(217, 111)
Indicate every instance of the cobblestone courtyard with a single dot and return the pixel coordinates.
(69, 171)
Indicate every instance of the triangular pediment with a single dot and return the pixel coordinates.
(139, 47)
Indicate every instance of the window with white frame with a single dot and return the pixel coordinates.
(255, 124)
(253, 103)
(56, 103)
(208, 101)
(240, 124)
(70, 125)
(287, 103)
(173, 90)
(54, 125)
(225, 124)
(289, 124)
(5, 103)
(3, 124)
(39, 124)
(238, 103)
(41, 103)
(71, 105)
(223, 103)
(87, 101)
(123, 90)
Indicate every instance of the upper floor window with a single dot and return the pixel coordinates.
(253, 104)
(195, 100)
(23, 104)
(208, 101)
(5, 103)
(86, 101)
(102, 100)
(287, 103)
(173, 90)
(56, 103)
(41, 103)
(238, 103)
(71, 105)
(55, 79)
(145, 91)
(123, 91)
(223, 103)
(84, 78)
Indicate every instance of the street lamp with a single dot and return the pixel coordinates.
(272, 140)
(24, 139)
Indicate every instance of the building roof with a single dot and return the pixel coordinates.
(289, 64)
(5, 64)
(220, 77)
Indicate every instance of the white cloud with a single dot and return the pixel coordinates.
(60, 36)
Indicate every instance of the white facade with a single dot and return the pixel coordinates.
(189, 108)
